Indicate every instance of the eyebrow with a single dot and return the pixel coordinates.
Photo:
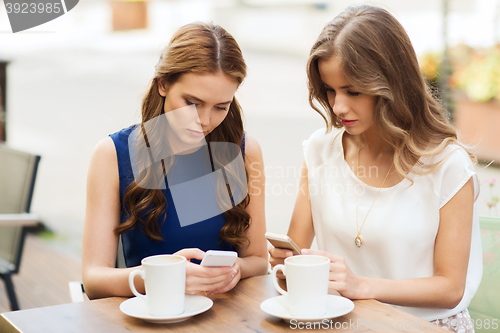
(202, 101)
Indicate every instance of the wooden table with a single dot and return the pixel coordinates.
(235, 311)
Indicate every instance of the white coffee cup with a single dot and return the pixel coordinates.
(307, 284)
(165, 281)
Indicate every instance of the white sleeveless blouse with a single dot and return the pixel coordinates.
(399, 233)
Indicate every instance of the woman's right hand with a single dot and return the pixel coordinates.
(202, 278)
(278, 256)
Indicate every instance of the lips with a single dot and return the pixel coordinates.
(346, 122)
(196, 133)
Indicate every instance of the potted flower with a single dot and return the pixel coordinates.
(477, 109)
(480, 77)
(475, 84)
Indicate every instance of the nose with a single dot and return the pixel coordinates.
(204, 116)
(340, 106)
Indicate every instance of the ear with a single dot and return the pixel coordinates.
(162, 89)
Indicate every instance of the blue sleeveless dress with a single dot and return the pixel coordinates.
(203, 235)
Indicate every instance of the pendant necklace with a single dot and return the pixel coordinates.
(358, 241)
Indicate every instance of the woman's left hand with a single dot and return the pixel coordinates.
(232, 282)
(342, 279)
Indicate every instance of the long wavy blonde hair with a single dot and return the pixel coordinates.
(378, 59)
(198, 48)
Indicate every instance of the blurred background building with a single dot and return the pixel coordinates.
(74, 80)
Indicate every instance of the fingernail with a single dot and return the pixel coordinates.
(304, 251)
(207, 293)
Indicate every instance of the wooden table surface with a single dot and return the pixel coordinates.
(235, 311)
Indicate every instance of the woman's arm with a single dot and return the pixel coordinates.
(451, 256)
(102, 215)
(301, 228)
(252, 257)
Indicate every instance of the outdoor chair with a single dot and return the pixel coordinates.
(17, 181)
(485, 306)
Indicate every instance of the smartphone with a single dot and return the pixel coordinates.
(283, 242)
(219, 258)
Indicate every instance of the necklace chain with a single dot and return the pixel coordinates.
(358, 241)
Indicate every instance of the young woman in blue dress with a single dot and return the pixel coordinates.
(386, 189)
(189, 108)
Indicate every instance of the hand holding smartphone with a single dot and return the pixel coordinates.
(283, 242)
(214, 258)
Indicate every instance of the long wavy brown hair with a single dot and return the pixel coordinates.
(378, 59)
(198, 48)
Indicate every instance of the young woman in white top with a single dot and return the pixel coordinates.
(387, 189)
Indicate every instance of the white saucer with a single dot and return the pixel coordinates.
(336, 306)
(193, 305)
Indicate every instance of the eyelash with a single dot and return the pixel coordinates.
(217, 107)
(350, 93)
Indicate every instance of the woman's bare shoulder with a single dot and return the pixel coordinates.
(253, 151)
(104, 158)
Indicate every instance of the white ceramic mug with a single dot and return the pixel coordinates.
(165, 281)
(307, 284)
